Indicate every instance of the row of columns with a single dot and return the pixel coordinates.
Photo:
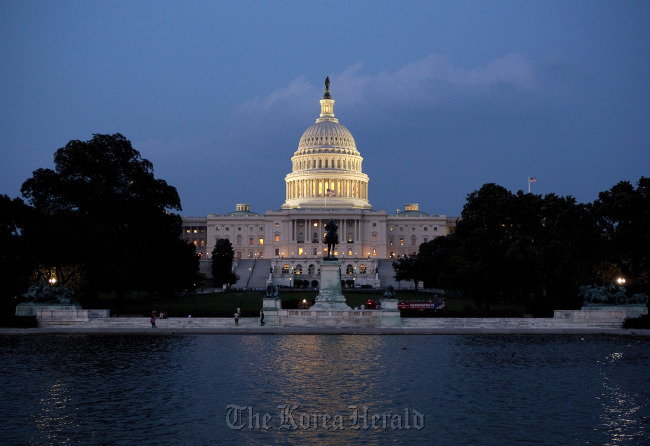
(319, 188)
(307, 164)
(309, 229)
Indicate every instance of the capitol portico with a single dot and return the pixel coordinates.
(326, 182)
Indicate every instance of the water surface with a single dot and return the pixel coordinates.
(187, 389)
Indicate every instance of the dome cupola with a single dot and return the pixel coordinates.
(327, 166)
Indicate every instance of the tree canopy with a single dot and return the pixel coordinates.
(14, 264)
(222, 257)
(102, 216)
(539, 250)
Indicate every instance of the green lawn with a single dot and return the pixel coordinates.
(225, 304)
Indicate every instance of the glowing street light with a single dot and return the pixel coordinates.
(620, 281)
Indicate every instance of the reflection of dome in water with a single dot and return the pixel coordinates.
(327, 166)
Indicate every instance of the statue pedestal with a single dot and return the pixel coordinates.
(631, 310)
(32, 308)
(389, 305)
(272, 307)
(329, 297)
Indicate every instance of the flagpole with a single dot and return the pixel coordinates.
(528, 184)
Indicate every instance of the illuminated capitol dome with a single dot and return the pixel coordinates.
(327, 166)
(326, 183)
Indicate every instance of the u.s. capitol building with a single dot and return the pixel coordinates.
(326, 182)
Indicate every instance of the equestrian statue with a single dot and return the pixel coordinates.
(331, 238)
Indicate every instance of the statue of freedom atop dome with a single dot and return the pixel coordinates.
(327, 83)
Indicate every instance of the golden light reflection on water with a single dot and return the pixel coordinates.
(620, 408)
(327, 373)
(472, 389)
(55, 415)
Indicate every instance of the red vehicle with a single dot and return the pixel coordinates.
(437, 304)
(374, 304)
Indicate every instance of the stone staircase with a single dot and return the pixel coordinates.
(563, 321)
(423, 324)
(244, 269)
(170, 323)
(386, 273)
(511, 323)
(260, 274)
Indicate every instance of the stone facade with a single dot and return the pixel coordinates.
(326, 182)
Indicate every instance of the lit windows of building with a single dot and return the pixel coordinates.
(312, 197)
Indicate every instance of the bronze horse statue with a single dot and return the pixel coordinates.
(331, 238)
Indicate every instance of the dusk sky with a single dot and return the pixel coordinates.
(441, 97)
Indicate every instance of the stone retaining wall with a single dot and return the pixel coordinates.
(562, 320)
(55, 318)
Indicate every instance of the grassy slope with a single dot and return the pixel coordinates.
(225, 304)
